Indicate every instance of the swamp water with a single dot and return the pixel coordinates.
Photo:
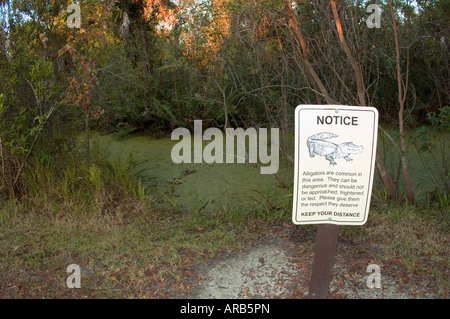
(191, 186)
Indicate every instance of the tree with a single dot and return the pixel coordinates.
(295, 25)
(402, 93)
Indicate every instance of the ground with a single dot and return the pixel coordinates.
(279, 266)
(165, 254)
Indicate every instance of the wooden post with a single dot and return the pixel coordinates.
(326, 243)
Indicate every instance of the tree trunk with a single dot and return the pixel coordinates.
(401, 101)
(386, 178)
(295, 24)
(381, 168)
(354, 64)
(285, 102)
(293, 21)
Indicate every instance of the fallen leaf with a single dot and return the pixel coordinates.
(148, 272)
(248, 275)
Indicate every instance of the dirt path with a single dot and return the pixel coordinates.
(279, 266)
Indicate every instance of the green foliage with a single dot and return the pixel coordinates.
(232, 62)
(433, 139)
(441, 121)
(437, 123)
(273, 207)
(95, 177)
(71, 180)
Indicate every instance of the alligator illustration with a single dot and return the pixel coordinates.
(317, 145)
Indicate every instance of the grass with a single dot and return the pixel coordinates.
(99, 215)
(152, 251)
(142, 255)
(414, 238)
(410, 232)
(428, 158)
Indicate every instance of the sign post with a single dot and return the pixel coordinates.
(326, 243)
(335, 149)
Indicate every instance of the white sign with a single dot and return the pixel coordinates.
(335, 148)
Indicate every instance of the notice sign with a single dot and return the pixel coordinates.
(335, 148)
